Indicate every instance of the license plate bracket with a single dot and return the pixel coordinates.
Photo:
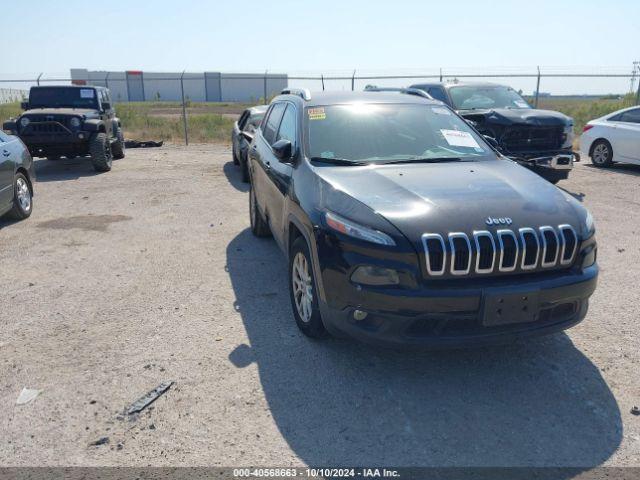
(510, 308)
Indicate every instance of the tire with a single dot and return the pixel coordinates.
(259, 226)
(101, 155)
(117, 147)
(303, 292)
(601, 154)
(22, 198)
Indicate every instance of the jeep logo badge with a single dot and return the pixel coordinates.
(498, 221)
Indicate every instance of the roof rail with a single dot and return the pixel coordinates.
(301, 92)
(408, 91)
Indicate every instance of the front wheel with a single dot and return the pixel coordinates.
(22, 198)
(602, 154)
(303, 291)
(100, 149)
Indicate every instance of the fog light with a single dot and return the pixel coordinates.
(372, 275)
(81, 136)
(359, 315)
(590, 257)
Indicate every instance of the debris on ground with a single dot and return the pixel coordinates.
(100, 441)
(27, 395)
(142, 144)
(149, 398)
(635, 410)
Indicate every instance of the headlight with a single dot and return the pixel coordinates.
(74, 122)
(589, 224)
(24, 121)
(354, 230)
(568, 135)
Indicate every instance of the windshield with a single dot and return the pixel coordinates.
(472, 98)
(390, 132)
(42, 97)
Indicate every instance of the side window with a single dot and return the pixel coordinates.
(287, 129)
(630, 116)
(243, 119)
(271, 125)
(438, 94)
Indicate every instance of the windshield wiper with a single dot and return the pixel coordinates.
(425, 160)
(337, 161)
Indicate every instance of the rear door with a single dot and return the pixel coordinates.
(279, 174)
(628, 135)
(261, 158)
(9, 148)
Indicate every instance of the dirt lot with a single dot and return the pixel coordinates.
(121, 281)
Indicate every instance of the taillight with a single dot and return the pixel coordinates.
(586, 127)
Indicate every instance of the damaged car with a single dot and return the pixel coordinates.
(541, 140)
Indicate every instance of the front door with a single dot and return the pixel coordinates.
(8, 152)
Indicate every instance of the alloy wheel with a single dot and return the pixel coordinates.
(600, 154)
(302, 287)
(23, 194)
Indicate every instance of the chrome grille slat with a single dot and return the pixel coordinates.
(501, 235)
(452, 237)
(523, 264)
(505, 250)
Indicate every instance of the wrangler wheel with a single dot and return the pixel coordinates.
(100, 149)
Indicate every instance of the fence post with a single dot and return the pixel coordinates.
(38, 79)
(184, 110)
(538, 88)
(106, 80)
(638, 93)
(322, 79)
(265, 87)
(353, 81)
(440, 74)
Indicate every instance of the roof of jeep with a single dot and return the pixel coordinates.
(68, 86)
(341, 98)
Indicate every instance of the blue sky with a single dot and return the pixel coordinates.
(321, 36)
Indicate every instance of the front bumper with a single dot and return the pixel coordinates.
(452, 315)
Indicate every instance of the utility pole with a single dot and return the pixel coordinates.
(634, 72)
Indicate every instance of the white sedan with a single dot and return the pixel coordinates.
(613, 138)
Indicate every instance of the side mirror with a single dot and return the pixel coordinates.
(283, 150)
(24, 105)
(10, 126)
(492, 141)
(106, 106)
(248, 136)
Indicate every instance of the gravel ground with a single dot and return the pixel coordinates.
(149, 273)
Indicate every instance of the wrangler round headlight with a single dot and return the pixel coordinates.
(24, 121)
(74, 122)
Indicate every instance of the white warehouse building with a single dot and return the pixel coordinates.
(139, 86)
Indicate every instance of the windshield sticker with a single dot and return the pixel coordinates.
(317, 113)
(441, 111)
(456, 138)
(521, 104)
(86, 93)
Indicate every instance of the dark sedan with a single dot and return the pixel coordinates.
(247, 123)
(17, 175)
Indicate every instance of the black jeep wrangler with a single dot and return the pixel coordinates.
(70, 121)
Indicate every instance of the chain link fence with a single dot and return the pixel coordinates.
(536, 83)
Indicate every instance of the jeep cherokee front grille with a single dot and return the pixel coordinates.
(504, 251)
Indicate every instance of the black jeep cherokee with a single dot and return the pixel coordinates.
(402, 226)
(70, 121)
(538, 139)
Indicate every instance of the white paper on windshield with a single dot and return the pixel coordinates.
(456, 138)
(86, 93)
(521, 104)
(441, 111)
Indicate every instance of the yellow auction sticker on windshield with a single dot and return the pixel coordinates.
(317, 113)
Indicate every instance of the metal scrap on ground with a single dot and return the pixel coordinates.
(149, 398)
(142, 144)
(26, 395)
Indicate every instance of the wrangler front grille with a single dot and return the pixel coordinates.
(503, 251)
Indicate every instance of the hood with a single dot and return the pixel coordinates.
(518, 116)
(60, 111)
(455, 197)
